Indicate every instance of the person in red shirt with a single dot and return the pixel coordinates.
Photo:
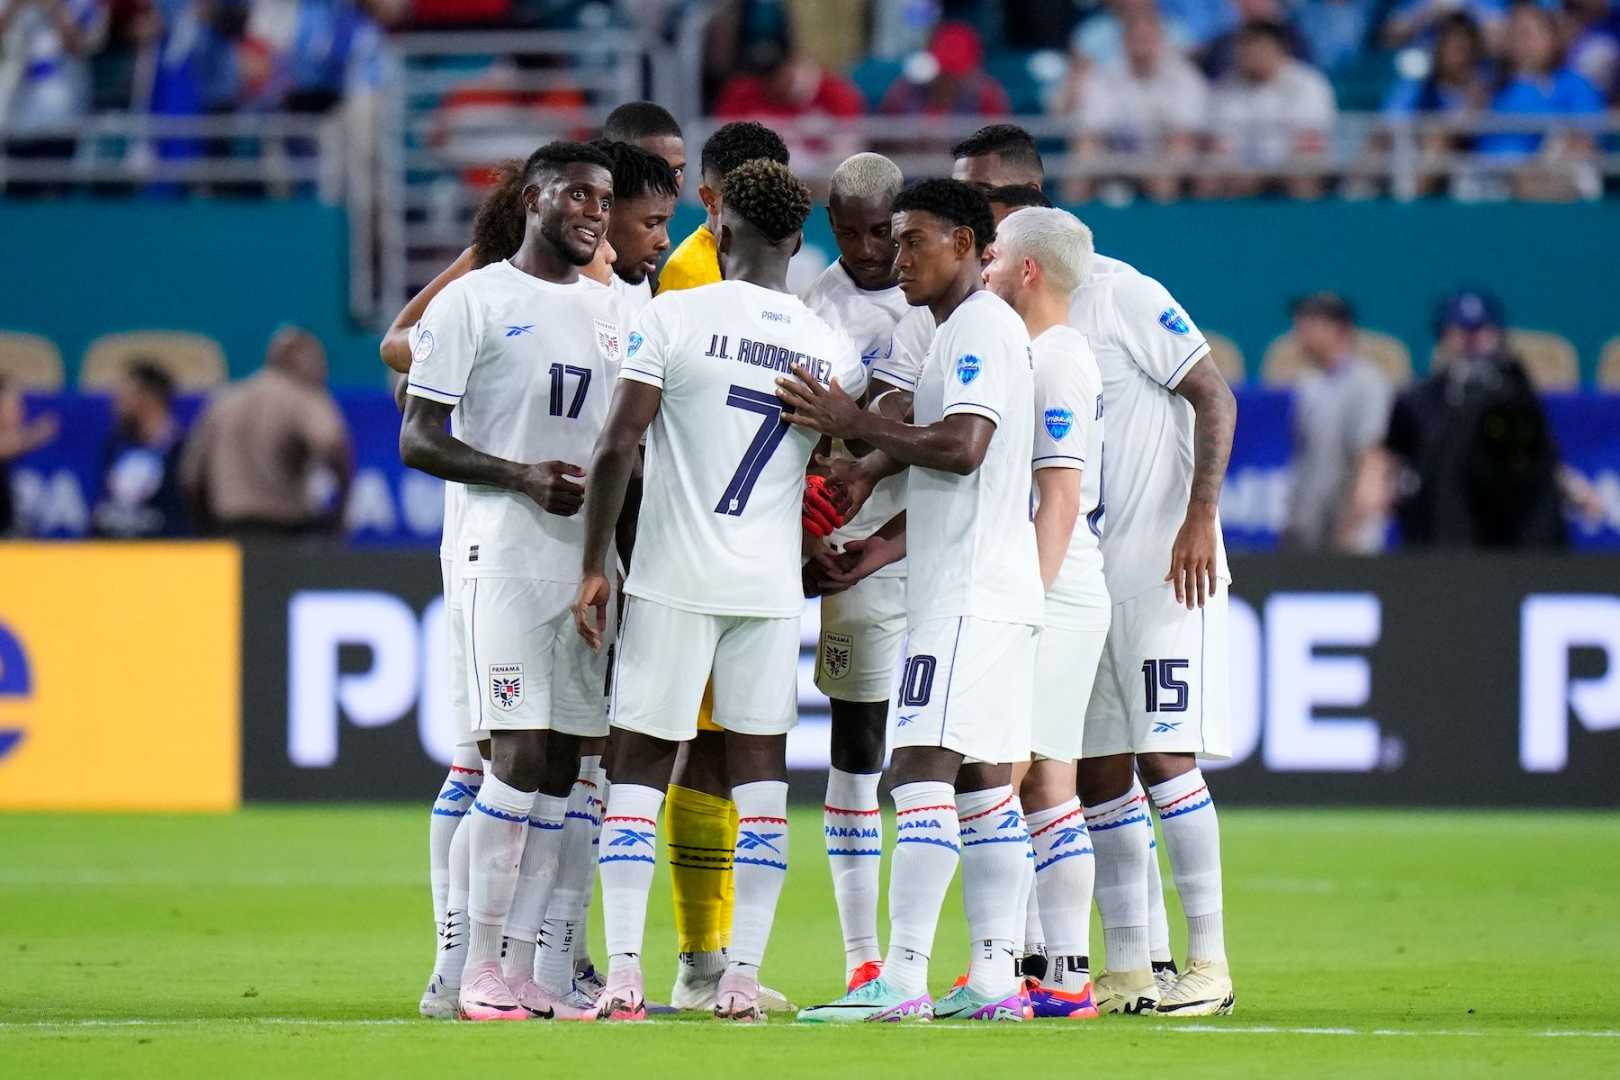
(959, 86)
(780, 83)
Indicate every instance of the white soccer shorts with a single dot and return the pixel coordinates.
(1065, 669)
(1162, 684)
(528, 668)
(862, 630)
(666, 655)
(967, 685)
(455, 652)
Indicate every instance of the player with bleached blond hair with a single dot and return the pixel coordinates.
(1040, 256)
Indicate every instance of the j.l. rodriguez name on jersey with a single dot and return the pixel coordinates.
(763, 354)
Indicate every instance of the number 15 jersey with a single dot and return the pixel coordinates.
(719, 528)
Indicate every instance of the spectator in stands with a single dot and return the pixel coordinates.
(1334, 31)
(45, 77)
(1469, 458)
(1455, 87)
(1220, 58)
(1537, 84)
(1151, 103)
(778, 82)
(1271, 115)
(502, 113)
(956, 83)
(140, 489)
(19, 437)
(271, 455)
(1100, 39)
(1341, 404)
(1593, 30)
(1416, 21)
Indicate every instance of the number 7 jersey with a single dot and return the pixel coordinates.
(719, 527)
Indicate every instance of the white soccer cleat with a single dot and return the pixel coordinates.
(737, 998)
(587, 980)
(439, 1000)
(1132, 993)
(1165, 975)
(485, 996)
(624, 997)
(695, 991)
(542, 1005)
(1204, 989)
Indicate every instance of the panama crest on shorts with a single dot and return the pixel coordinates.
(836, 651)
(506, 686)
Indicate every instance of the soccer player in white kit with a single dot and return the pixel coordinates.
(715, 582)
(862, 628)
(974, 600)
(1040, 256)
(518, 424)
(1161, 694)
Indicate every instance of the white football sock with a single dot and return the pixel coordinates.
(759, 863)
(496, 829)
(995, 861)
(455, 798)
(628, 858)
(562, 934)
(1034, 943)
(1158, 921)
(1116, 829)
(1193, 835)
(1065, 875)
(537, 876)
(595, 777)
(925, 856)
(853, 826)
(452, 957)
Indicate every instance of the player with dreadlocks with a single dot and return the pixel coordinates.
(715, 582)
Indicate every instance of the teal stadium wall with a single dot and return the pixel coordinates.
(76, 269)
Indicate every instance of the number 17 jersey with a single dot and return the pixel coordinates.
(719, 527)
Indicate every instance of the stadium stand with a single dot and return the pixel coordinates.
(1608, 369)
(1228, 357)
(195, 361)
(30, 362)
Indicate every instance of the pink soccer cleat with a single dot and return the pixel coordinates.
(485, 996)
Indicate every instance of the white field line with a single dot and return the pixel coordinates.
(1164, 1028)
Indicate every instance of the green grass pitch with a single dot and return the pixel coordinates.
(293, 942)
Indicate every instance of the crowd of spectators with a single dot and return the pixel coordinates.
(1213, 98)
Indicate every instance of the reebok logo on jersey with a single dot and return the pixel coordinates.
(1165, 727)
(635, 340)
(506, 686)
(906, 718)
(519, 331)
(968, 367)
(1058, 422)
(424, 346)
(1173, 321)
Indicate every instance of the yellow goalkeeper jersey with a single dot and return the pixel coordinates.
(695, 261)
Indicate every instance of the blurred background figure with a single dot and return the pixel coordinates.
(949, 79)
(45, 75)
(780, 82)
(18, 436)
(1469, 459)
(1536, 83)
(1453, 84)
(1592, 28)
(271, 455)
(1270, 120)
(140, 494)
(1341, 406)
(1220, 57)
(1151, 101)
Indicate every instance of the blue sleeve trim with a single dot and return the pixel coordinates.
(893, 377)
(1202, 346)
(1058, 457)
(633, 371)
(977, 409)
(434, 390)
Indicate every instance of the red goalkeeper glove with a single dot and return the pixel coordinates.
(821, 514)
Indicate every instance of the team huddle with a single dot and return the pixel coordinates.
(994, 454)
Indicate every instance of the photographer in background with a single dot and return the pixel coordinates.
(140, 489)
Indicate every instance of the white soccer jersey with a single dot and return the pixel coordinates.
(528, 365)
(913, 334)
(970, 540)
(1144, 343)
(869, 318)
(455, 498)
(1069, 435)
(719, 529)
(631, 298)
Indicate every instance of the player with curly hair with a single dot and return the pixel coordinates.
(693, 263)
(975, 604)
(715, 582)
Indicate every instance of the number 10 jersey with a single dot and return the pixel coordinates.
(719, 528)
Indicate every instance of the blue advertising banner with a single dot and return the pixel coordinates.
(57, 486)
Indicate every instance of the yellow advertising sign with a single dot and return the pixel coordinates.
(120, 679)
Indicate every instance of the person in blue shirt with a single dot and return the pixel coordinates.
(1457, 81)
(1537, 83)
